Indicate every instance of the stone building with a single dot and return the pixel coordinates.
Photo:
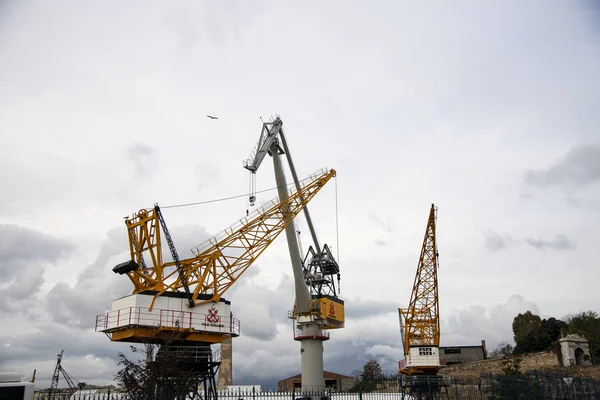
(332, 380)
(463, 354)
(575, 350)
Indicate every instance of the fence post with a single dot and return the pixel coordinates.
(455, 388)
(253, 392)
(360, 397)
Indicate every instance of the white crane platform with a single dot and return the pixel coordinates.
(130, 319)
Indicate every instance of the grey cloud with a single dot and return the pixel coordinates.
(28, 281)
(24, 253)
(560, 242)
(469, 326)
(48, 338)
(495, 241)
(384, 223)
(356, 308)
(215, 24)
(207, 173)
(342, 354)
(186, 237)
(100, 285)
(95, 288)
(579, 167)
(268, 307)
(584, 204)
(142, 156)
(88, 357)
(379, 242)
(22, 244)
(136, 85)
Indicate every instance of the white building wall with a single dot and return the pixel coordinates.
(167, 312)
(568, 346)
(415, 358)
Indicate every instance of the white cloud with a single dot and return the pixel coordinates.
(411, 105)
(470, 326)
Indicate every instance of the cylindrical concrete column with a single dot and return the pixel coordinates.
(311, 355)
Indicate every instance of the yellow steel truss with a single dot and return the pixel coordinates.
(224, 258)
(420, 320)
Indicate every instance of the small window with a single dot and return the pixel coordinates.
(425, 351)
(451, 351)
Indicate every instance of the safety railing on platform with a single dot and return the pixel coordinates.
(298, 334)
(140, 316)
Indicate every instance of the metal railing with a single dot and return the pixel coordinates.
(190, 354)
(528, 386)
(321, 334)
(160, 318)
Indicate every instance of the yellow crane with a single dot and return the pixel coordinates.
(156, 309)
(419, 322)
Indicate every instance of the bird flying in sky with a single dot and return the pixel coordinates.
(211, 117)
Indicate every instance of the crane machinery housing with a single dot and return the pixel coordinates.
(419, 322)
(179, 304)
(317, 306)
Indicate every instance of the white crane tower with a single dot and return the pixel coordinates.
(317, 306)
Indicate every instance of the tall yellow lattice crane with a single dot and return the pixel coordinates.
(157, 308)
(419, 322)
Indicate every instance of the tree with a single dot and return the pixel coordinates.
(542, 338)
(586, 324)
(156, 375)
(368, 376)
(503, 349)
(524, 324)
(371, 371)
(511, 365)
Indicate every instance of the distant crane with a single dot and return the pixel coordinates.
(419, 322)
(212, 117)
(57, 371)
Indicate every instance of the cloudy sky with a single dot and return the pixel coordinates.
(489, 110)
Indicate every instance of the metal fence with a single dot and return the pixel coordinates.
(529, 386)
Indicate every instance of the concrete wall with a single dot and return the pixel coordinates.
(532, 361)
(465, 354)
(543, 361)
(226, 367)
(575, 351)
(168, 312)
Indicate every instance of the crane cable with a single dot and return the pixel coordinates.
(220, 199)
(337, 231)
